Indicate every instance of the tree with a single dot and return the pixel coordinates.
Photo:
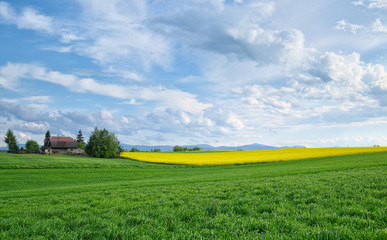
(196, 149)
(121, 149)
(81, 145)
(102, 144)
(134, 149)
(46, 142)
(178, 148)
(32, 146)
(80, 138)
(11, 141)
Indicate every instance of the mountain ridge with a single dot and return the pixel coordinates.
(204, 147)
(207, 147)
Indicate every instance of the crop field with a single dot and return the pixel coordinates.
(243, 157)
(65, 197)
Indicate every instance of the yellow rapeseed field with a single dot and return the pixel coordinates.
(242, 157)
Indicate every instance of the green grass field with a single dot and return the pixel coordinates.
(64, 197)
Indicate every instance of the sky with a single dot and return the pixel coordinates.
(219, 72)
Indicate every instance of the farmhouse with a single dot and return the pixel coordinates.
(63, 145)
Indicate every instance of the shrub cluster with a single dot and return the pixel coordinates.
(103, 144)
(178, 148)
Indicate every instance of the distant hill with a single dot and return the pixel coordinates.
(206, 147)
(19, 144)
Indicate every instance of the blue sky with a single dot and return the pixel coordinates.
(282, 72)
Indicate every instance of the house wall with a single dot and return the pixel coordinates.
(77, 151)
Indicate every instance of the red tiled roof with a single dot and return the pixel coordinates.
(62, 139)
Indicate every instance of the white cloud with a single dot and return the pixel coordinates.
(229, 30)
(334, 89)
(132, 101)
(32, 127)
(382, 4)
(113, 32)
(174, 123)
(234, 122)
(377, 76)
(11, 74)
(68, 38)
(6, 12)
(108, 32)
(358, 3)
(24, 137)
(144, 48)
(371, 4)
(170, 98)
(11, 110)
(378, 27)
(344, 25)
(38, 99)
(28, 18)
(132, 76)
(345, 70)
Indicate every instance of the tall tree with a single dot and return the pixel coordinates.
(11, 141)
(80, 138)
(102, 144)
(47, 139)
(46, 142)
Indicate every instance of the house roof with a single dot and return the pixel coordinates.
(62, 139)
(63, 142)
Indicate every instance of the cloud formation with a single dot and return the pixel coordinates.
(12, 73)
(377, 27)
(194, 71)
(28, 18)
(380, 4)
(344, 25)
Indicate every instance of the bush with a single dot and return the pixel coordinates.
(32, 146)
(81, 145)
(103, 144)
(134, 149)
(178, 148)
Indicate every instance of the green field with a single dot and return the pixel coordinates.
(64, 197)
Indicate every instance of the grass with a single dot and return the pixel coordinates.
(243, 157)
(63, 197)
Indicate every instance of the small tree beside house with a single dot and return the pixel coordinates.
(46, 142)
(80, 140)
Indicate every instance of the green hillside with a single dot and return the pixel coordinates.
(64, 197)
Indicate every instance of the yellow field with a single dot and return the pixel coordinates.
(241, 157)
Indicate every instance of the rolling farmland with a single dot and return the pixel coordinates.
(64, 197)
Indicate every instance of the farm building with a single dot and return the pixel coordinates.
(63, 145)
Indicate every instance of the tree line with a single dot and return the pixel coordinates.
(178, 148)
(101, 144)
(31, 145)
